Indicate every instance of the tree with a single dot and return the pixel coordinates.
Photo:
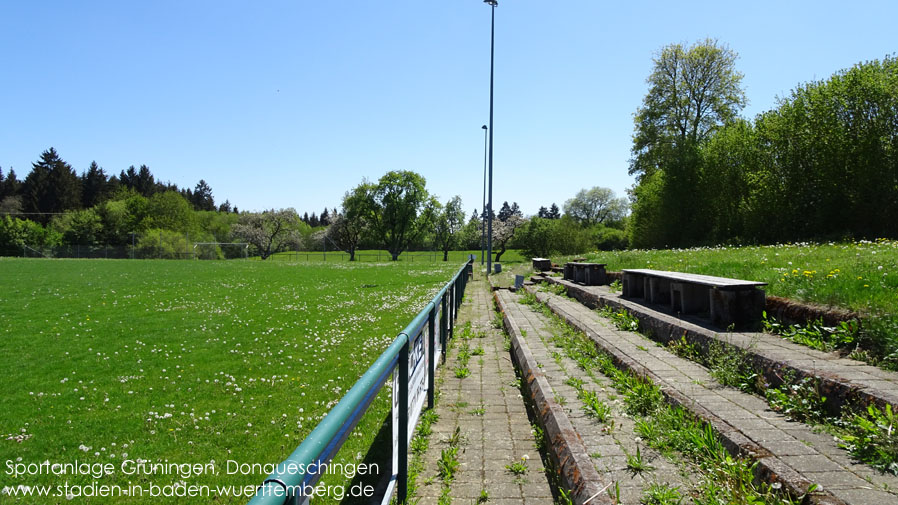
(11, 186)
(10, 197)
(554, 212)
(95, 186)
(504, 212)
(449, 220)
(347, 228)
(146, 183)
(596, 206)
(225, 207)
(693, 91)
(543, 213)
(324, 220)
(504, 231)
(202, 197)
(81, 227)
(269, 232)
(313, 221)
(397, 210)
(51, 187)
(170, 211)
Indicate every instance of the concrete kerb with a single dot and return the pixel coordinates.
(566, 448)
(770, 469)
(839, 391)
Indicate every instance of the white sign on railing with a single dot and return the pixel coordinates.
(418, 365)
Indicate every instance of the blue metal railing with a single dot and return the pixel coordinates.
(292, 476)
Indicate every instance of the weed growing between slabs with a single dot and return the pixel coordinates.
(193, 361)
(867, 432)
(447, 464)
(671, 430)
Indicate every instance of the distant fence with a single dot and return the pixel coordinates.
(372, 256)
(187, 250)
(410, 359)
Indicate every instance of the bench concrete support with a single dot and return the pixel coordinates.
(542, 264)
(595, 274)
(633, 286)
(742, 309)
(688, 298)
(657, 290)
(588, 274)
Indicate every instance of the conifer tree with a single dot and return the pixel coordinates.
(202, 197)
(51, 187)
(94, 185)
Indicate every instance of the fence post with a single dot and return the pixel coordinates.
(443, 325)
(452, 311)
(402, 477)
(432, 365)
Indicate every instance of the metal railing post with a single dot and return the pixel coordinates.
(402, 477)
(452, 311)
(443, 326)
(431, 358)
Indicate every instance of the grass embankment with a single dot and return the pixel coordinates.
(191, 362)
(861, 276)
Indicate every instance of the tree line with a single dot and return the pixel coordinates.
(54, 206)
(822, 165)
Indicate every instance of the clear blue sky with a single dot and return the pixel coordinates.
(291, 103)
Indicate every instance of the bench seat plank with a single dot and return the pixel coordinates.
(706, 280)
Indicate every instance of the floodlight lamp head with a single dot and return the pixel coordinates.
(494, 3)
(484, 127)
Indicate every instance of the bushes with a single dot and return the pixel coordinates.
(163, 244)
(546, 237)
(16, 233)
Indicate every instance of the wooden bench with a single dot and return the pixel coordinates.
(588, 274)
(542, 264)
(727, 302)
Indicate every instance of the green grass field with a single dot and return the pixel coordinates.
(860, 276)
(190, 361)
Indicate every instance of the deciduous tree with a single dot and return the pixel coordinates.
(693, 91)
(349, 227)
(449, 220)
(396, 208)
(596, 205)
(269, 232)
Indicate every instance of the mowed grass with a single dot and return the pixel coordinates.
(860, 276)
(191, 361)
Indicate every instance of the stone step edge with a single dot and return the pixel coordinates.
(839, 391)
(565, 446)
(771, 469)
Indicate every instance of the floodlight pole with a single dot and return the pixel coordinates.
(489, 213)
(483, 213)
